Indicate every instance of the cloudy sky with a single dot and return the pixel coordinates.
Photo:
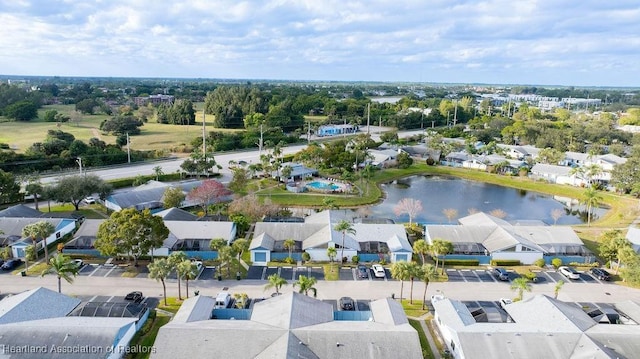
(552, 42)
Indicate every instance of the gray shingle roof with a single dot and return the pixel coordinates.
(195, 309)
(176, 214)
(20, 210)
(38, 303)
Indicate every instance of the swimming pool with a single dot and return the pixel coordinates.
(323, 186)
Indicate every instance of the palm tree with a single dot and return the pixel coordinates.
(226, 254)
(63, 267)
(344, 227)
(331, 253)
(216, 244)
(159, 270)
(187, 270)
(275, 281)
(577, 172)
(241, 299)
(591, 198)
(174, 260)
(306, 284)
(520, 285)
(415, 271)
(428, 273)
(240, 245)
(441, 247)
(157, 170)
(557, 288)
(41, 229)
(400, 270)
(421, 247)
(289, 244)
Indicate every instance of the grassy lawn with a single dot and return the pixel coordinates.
(424, 343)
(35, 270)
(147, 335)
(331, 271)
(413, 309)
(91, 211)
(173, 304)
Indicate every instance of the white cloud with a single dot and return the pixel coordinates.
(474, 41)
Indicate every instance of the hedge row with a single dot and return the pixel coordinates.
(505, 262)
(462, 262)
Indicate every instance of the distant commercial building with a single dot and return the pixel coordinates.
(333, 130)
(154, 100)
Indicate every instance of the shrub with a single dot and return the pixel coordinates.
(5, 253)
(462, 262)
(289, 260)
(355, 259)
(529, 275)
(306, 256)
(505, 262)
(556, 262)
(577, 264)
(383, 261)
(344, 260)
(539, 262)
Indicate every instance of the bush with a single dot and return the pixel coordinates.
(383, 261)
(539, 262)
(344, 260)
(529, 275)
(577, 264)
(505, 262)
(556, 263)
(306, 256)
(355, 259)
(462, 262)
(289, 260)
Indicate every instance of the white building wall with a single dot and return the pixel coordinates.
(119, 349)
(449, 335)
(524, 257)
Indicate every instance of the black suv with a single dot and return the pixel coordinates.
(363, 271)
(501, 274)
(11, 264)
(600, 274)
(347, 303)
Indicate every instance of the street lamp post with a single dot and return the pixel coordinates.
(79, 162)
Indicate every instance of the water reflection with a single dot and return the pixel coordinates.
(442, 196)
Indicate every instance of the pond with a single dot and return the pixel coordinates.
(438, 193)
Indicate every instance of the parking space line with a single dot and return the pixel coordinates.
(91, 274)
(476, 274)
(93, 298)
(491, 276)
(108, 300)
(109, 272)
(548, 276)
(353, 274)
(264, 272)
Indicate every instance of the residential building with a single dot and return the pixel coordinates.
(291, 325)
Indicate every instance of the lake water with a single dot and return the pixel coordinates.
(439, 193)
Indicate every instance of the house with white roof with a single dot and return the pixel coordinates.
(316, 234)
(538, 327)
(11, 233)
(45, 321)
(486, 237)
(633, 236)
(291, 325)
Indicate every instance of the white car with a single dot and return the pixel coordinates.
(79, 263)
(89, 200)
(569, 272)
(378, 271)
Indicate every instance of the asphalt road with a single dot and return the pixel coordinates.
(117, 286)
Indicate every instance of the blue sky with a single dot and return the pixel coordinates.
(553, 42)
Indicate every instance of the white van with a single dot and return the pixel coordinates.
(222, 300)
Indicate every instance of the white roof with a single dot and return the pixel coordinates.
(38, 303)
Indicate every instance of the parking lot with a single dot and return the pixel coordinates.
(544, 276)
(292, 273)
(151, 302)
(106, 270)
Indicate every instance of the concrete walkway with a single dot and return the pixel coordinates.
(427, 333)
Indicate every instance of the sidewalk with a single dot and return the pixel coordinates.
(427, 333)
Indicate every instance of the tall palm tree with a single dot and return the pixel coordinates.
(306, 285)
(216, 244)
(591, 198)
(415, 271)
(400, 271)
(275, 281)
(187, 270)
(520, 285)
(35, 231)
(332, 252)
(421, 247)
(427, 274)
(174, 260)
(441, 247)
(159, 270)
(63, 267)
(344, 227)
(289, 244)
(240, 245)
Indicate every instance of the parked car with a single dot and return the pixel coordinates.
(79, 263)
(89, 200)
(501, 274)
(135, 297)
(505, 301)
(11, 264)
(600, 273)
(363, 271)
(569, 272)
(347, 303)
(222, 300)
(378, 271)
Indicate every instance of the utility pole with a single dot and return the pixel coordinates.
(422, 120)
(368, 115)
(455, 113)
(260, 143)
(128, 149)
(204, 137)
(79, 162)
(308, 131)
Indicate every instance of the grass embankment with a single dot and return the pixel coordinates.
(427, 351)
(173, 304)
(147, 335)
